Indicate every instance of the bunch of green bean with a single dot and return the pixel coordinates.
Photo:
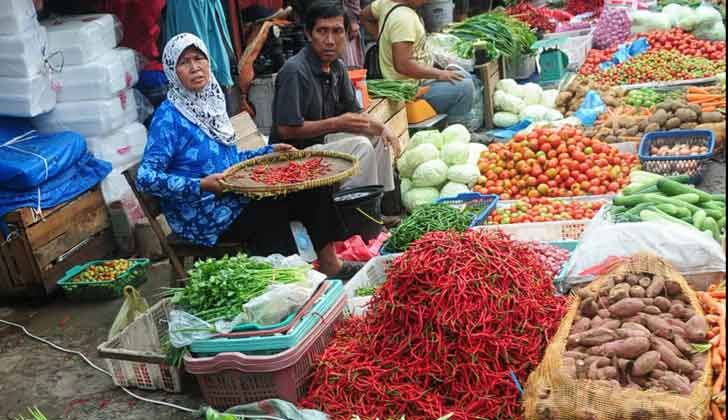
(427, 218)
(396, 90)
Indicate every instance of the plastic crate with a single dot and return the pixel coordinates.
(565, 230)
(134, 356)
(372, 274)
(135, 275)
(266, 345)
(230, 379)
(692, 165)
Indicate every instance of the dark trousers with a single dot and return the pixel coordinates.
(264, 225)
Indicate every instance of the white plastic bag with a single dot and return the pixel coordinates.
(688, 250)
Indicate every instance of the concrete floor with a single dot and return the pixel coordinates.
(64, 387)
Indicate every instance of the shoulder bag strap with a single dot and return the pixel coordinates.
(381, 30)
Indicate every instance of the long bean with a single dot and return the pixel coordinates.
(427, 218)
(396, 90)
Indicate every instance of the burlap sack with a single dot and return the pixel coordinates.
(551, 394)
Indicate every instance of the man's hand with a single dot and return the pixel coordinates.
(450, 76)
(353, 30)
(283, 147)
(392, 141)
(353, 123)
(211, 183)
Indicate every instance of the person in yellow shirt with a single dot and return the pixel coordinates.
(403, 56)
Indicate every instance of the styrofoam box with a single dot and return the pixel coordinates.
(26, 97)
(90, 118)
(16, 16)
(372, 274)
(121, 147)
(22, 54)
(82, 38)
(102, 78)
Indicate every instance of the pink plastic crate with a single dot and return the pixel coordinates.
(230, 379)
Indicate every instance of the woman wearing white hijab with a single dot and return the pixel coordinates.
(192, 141)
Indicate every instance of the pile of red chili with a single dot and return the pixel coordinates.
(291, 173)
(458, 312)
(532, 17)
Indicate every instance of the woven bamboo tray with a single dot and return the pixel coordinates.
(237, 177)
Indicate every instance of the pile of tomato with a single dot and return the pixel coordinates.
(545, 210)
(106, 271)
(553, 163)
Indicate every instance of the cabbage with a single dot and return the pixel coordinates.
(430, 174)
(456, 133)
(707, 15)
(548, 98)
(553, 115)
(507, 102)
(405, 184)
(475, 150)
(677, 12)
(455, 153)
(505, 119)
(688, 23)
(534, 113)
(532, 93)
(428, 136)
(507, 86)
(714, 32)
(419, 196)
(464, 174)
(411, 159)
(644, 21)
(452, 189)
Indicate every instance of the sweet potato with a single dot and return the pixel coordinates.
(609, 372)
(632, 279)
(637, 291)
(652, 310)
(569, 366)
(581, 325)
(626, 308)
(619, 292)
(576, 355)
(585, 292)
(697, 328)
(661, 365)
(593, 337)
(645, 363)
(663, 303)
(678, 309)
(597, 322)
(603, 302)
(656, 287)
(589, 308)
(677, 383)
(657, 373)
(658, 326)
(682, 344)
(672, 287)
(628, 332)
(612, 324)
(667, 343)
(645, 281)
(677, 323)
(637, 319)
(636, 326)
(700, 360)
(600, 361)
(593, 372)
(648, 301)
(673, 361)
(627, 347)
(603, 313)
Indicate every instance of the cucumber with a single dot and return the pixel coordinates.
(651, 186)
(699, 218)
(715, 205)
(673, 210)
(659, 198)
(670, 187)
(629, 200)
(615, 210)
(660, 216)
(718, 197)
(712, 225)
(688, 198)
(721, 223)
(635, 211)
(715, 214)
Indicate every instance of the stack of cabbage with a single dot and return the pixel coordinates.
(438, 165)
(705, 21)
(514, 102)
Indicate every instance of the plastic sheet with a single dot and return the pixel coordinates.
(83, 38)
(625, 52)
(103, 78)
(91, 118)
(440, 47)
(16, 16)
(26, 97)
(591, 108)
(22, 55)
(267, 408)
(354, 248)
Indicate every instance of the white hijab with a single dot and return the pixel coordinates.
(205, 108)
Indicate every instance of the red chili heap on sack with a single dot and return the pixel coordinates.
(458, 313)
(290, 173)
(532, 17)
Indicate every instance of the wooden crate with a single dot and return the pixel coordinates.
(490, 73)
(393, 115)
(40, 250)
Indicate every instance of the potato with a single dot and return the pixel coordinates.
(711, 117)
(651, 128)
(656, 287)
(610, 101)
(637, 291)
(585, 292)
(642, 126)
(686, 115)
(563, 98)
(626, 308)
(672, 123)
(688, 126)
(695, 108)
(645, 363)
(663, 303)
(700, 360)
(697, 329)
(659, 117)
(629, 348)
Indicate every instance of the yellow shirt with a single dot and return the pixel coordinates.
(403, 25)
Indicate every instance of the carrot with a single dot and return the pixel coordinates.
(696, 89)
(718, 294)
(708, 108)
(714, 332)
(721, 343)
(699, 98)
(720, 381)
(710, 303)
(715, 360)
(712, 103)
(716, 411)
(713, 319)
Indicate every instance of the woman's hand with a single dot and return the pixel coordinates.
(283, 147)
(211, 183)
(450, 76)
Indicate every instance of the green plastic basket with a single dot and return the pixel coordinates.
(135, 275)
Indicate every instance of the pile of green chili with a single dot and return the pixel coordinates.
(504, 35)
(396, 90)
(428, 218)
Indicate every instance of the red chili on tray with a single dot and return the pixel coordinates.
(291, 173)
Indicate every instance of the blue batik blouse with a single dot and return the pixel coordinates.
(178, 154)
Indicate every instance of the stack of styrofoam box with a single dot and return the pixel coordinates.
(95, 95)
(26, 88)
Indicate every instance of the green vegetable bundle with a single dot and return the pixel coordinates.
(428, 218)
(505, 35)
(396, 90)
(669, 199)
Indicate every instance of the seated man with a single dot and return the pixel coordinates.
(315, 104)
(403, 56)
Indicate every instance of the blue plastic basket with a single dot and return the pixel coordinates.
(488, 201)
(691, 165)
(266, 345)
